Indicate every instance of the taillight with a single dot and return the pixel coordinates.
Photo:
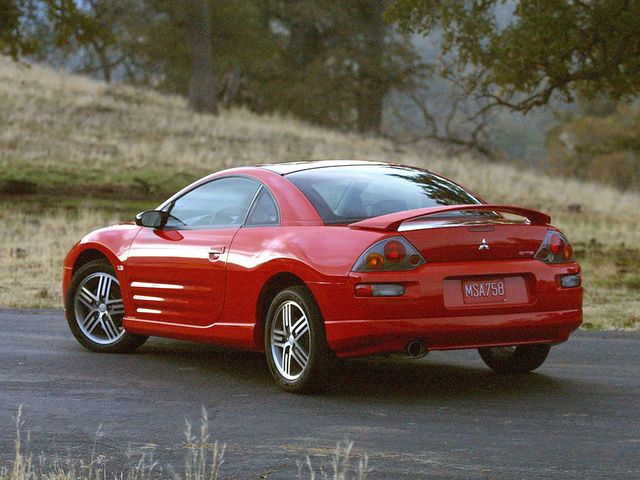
(394, 251)
(379, 290)
(555, 248)
(390, 254)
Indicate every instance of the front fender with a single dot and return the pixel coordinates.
(112, 243)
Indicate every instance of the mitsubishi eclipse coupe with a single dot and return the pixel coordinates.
(315, 260)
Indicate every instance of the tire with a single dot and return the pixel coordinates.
(95, 310)
(297, 359)
(516, 359)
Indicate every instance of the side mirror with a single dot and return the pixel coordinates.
(152, 218)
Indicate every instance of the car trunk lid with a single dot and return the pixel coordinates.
(467, 240)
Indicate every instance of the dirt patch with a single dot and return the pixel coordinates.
(21, 187)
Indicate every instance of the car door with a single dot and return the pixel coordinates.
(177, 274)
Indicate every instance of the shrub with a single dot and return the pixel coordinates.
(601, 148)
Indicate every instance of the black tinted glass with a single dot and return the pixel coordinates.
(348, 194)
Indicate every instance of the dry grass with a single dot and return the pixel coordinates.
(69, 134)
(32, 248)
(203, 461)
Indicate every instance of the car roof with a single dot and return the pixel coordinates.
(291, 167)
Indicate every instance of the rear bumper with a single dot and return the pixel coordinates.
(368, 337)
(429, 311)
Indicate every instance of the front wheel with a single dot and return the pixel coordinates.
(515, 359)
(95, 310)
(295, 341)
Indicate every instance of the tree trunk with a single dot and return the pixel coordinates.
(202, 94)
(373, 84)
(369, 107)
(105, 63)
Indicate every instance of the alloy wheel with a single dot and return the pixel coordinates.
(99, 309)
(290, 340)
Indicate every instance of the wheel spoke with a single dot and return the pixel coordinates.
(88, 298)
(109, 327)
(91, 320)
(286, 317)
(286, 359)
(115, 307)
(300, 330)
(104, 287)
(299, 355)
(279, 338)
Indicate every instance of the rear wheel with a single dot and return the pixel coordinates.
(515, 359)
(295, 341)
(95, 310)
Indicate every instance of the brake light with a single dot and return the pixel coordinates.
(390, 254)
(555, 248)
(394, 251)
(556, 244)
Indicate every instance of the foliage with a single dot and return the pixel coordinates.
(15, 39)
(444, 112)
(340, 52)
(242, 46)
(283, 56)
(603, 147)
(90, 26)
(547, 47)
(271, 55)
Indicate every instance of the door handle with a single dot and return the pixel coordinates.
(215, 252)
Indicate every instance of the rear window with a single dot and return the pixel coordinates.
(348, 194)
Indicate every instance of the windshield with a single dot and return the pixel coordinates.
(348, 194)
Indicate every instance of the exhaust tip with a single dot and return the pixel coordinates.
(416, 349)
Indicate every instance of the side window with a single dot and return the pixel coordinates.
(216, 204)
(264, 211)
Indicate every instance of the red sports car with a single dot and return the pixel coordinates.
(309, 261)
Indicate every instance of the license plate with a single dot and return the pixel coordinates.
(484, 291)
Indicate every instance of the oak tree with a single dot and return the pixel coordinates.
(543, 48)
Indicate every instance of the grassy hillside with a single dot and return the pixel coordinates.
(75, 153)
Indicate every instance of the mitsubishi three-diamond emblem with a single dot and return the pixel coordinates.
(483, 245)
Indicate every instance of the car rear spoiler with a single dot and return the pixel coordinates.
(391, 221)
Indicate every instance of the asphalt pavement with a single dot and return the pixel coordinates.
(444, 416)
